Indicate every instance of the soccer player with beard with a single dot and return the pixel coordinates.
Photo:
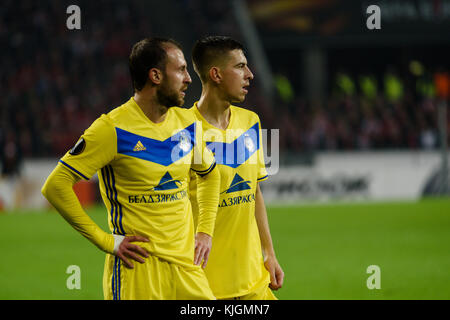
(242, 263)
(143, 152)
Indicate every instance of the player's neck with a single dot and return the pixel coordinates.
(150, 106)
(215, 110)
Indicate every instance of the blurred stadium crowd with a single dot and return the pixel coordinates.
(362, 112)
(55, 83)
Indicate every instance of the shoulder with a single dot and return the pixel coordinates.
(102, 128)
(102, 122)
(244, 117)
(183, 111)
(124, 116)
(119, 113)
(187, 114)
(245, 113)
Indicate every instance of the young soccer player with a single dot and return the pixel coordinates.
(242, 263)
(143, 152)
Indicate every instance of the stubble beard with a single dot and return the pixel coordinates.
(168, 97)
(237, 99)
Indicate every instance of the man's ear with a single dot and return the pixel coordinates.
(155, 75)
(215, 75)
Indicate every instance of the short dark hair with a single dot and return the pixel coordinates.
(146, 54)
(207, 50)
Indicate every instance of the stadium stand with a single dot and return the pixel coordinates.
(55, 83)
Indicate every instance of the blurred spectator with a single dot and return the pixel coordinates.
(425, 86)
(393, 86)
(284, 88)
(10, 154)
(345, 84)
(368, 85)
(442, 82)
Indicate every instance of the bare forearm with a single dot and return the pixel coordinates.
(270, 261)
(263, 224)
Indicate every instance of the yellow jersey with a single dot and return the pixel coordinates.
(143, 169)
(235, 266)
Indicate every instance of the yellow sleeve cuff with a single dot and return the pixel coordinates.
(208, 201)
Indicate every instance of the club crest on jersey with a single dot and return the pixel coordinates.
(185, 141)
(248, 142)
(78, 148)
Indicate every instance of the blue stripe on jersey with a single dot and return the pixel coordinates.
(117, 203)
(118, 275)
(262, 178)
(114, 279)
(235, 153)
(74, 170)
(162, 152)
(105, 176)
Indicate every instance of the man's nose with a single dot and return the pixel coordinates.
(249, 74)
(188, 78)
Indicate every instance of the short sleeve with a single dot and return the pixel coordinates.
(262, 172)
(203, 159)
(95, 149)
